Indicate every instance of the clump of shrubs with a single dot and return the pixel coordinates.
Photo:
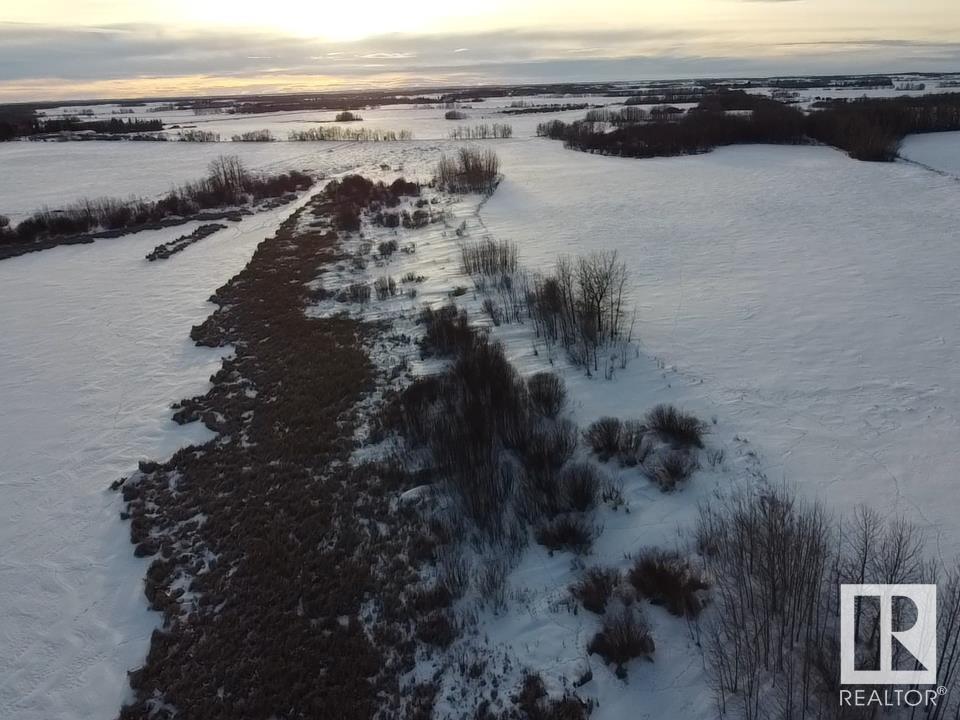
(387, 248)
(668, 579)
(580, 485)
(548, 394)
(603, 436)
(347, 116)
(355, 293)
(567, 532)
(671, 469)
(254, 136)
(534, 704)
(447, 330)
(471, 170)
(489, 257)
(596, 587)
(228, 183)
(385, 287)
(680, 428)
(624, 636)
(455, 115)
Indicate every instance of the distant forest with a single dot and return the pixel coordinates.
(23, 122)
(867, 128)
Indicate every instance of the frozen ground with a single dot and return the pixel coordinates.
(94, 347)
(940, 151)
(807, 300)
(811, 298)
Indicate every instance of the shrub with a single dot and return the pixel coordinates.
(624, 636)
(496, 131)
(455, 115)
(254, 136)
(204, 136)
(667, 579)
(548, 394)
(489, 257)
(680, 428)
(387, 248)
(355, 293)
(580, 484)
(672, 468)
(437, 629)
(596, 587)
(582, 306)
(347, 116)
(338, 133)
(447, 330)
(417, 219)
(603, 436)
(472, 170)
(385, 287)
(633, 449)
(567, 532)
(534, 705)
(227, 183)
(547, 450)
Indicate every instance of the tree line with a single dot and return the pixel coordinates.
(868, 129)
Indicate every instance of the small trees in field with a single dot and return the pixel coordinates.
(582, 306)
(471, 170)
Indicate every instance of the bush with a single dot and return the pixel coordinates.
(228, 183)
(437, 629)
(489, 257)
(387, 248)
(680, 428)
(254, 136)
(472, 170)
(623, 637)
(582, 306)
(455, 115)
(671, 469)
(534, 705)
(633, 449)
(497, 131)
(339, 133)
(596, 587)
(580, 484)
(385, 287)
(355, 293)
(448, 330)
(603, 436)
(347, 116)
(548, 394)
(667, 579)
(566, 532)
(203, 136)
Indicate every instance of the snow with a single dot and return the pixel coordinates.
(810, 298)
(940, 151)
(94, 348)
(805, 300)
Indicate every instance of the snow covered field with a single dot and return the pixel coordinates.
(806, 300)
(94, 348)
(940, 151)
(810, 298)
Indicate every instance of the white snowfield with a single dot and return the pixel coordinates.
(94, 348)
(812, 298)
(807, 300)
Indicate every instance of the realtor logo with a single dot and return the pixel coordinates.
(918, 637)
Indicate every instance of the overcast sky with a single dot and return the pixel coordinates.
(60, 49)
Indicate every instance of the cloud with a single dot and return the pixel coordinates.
(39, 62)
